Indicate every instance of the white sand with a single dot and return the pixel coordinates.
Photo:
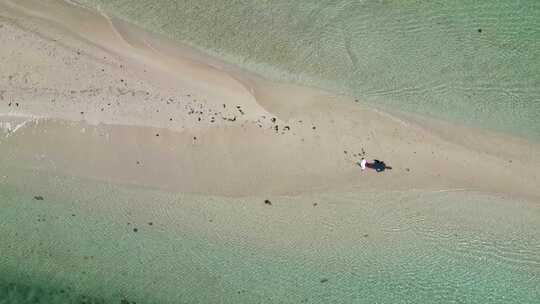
(124, 87)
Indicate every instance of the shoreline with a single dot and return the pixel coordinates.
(145, 81)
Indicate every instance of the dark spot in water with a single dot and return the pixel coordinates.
(82, 113)
(480, 30)
(150, 224)
(224, 106)
(314, 127)
(273, 119)
(17, 104)
(407, 169)
(194, 137)
(135, 229)
(366, 235)
(268, 202)
(170, 119)
(345, 152)
(315, 204)
(38, 198)
(73, 214)
(324, 280)
(157, 134)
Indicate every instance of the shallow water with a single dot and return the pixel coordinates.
(400, 247)
(475, 62)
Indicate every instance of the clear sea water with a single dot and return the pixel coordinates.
(77, 245)
(473, 62)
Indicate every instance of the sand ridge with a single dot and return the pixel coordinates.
(160, 116)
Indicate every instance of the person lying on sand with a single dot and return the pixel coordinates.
(377, 165)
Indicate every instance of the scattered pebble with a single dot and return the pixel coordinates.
(268, 202)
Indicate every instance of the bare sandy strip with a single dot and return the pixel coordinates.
(120, 105)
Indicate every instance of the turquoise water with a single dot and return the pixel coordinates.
(77, 245)
(475, 62)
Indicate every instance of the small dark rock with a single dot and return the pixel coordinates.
(314, 127)
(315, 204)
(38, 198)
(407, 169)
(480, 30)
(273, 119)
(157, 134)
(135, 229)
(150, 224)
(268, 202)
(194, 137)
(366, 235)
(324, 280)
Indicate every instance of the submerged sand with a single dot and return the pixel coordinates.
(123, 128)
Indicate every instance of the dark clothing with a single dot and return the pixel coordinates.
(378, 165)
